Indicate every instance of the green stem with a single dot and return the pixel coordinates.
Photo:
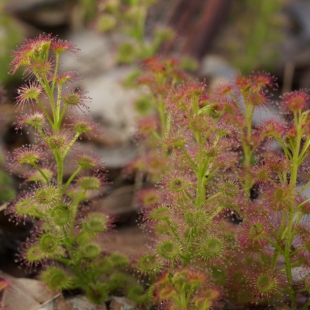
(63, 260)
(278, 250)
(41, 172)
(55, 72)
(203, 165)
(58, 105)
(63, 112)
(40, 104)
(48, 93)
(214, 214)
(285, 149)
(201, 190)
(304, 202)
(213, 197)
(156, 135)
(41, 133)
(74, 209)
(191, 162)
(74, 174)
(174, 231)
(247, 148)
(59, 161)
(288, 267)
(67, 149)
(162, 117)
(275, 245)
(191, 199)
(289, 227)
(168, 124)
(304, 150)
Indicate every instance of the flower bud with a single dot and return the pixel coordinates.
(296, 100)
(42, 51)
(36, 176)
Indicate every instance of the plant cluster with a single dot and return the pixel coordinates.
(228, 217)
(249, 52)
(65, 239)
(130, 16)
(216, 166)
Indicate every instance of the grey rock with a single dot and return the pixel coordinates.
(82, 303)
(214, 66)
(22, 5)
(50, 13)
(121, 303)
(25, 293)
(111, 103)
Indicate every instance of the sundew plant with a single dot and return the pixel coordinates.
(211, 166)
(65, 238)
(230, 221)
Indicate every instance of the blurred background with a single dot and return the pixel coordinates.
(214, 38)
